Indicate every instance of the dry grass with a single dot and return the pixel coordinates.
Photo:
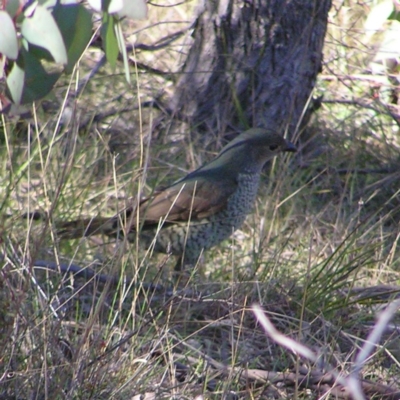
(318, 253)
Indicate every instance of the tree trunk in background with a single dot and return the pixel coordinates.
(252, 63)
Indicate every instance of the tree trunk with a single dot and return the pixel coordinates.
(252, 63)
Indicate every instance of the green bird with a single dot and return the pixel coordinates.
(198, 211)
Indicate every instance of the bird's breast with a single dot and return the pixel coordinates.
(242, 200)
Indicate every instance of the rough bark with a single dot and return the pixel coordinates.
(252, 63)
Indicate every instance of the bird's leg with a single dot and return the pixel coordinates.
(179, 264)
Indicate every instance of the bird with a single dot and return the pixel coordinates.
(198, 211)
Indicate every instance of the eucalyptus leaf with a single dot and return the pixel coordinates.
(109, 39)
(95, 5)
(8, 36)
(75, 24)
(122, 48)
(38, 82)
(41, 30)
(134, 9)
(15, 83)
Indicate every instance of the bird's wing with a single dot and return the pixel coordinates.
(194, 199)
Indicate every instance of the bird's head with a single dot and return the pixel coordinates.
(253, 148)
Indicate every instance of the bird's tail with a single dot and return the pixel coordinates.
(88, 227)
(115, 226)
(123, 224)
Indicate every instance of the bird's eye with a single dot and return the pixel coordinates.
(273, 147)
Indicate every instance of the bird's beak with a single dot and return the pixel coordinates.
(290, 147)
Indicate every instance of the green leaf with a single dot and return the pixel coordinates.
(15, 83)
(75, 24)
(395, 15)
(122, 48)
(109, 39)
(38, 82)
(8, 36)
(41, 30)
(105, 4)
